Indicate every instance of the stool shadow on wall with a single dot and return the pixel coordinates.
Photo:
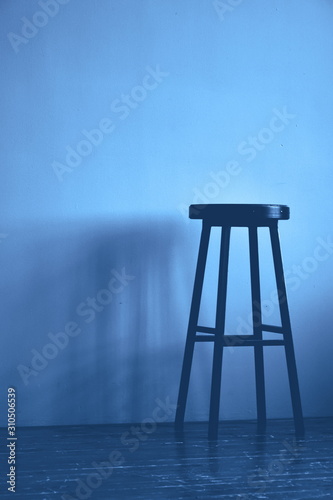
(95, 315)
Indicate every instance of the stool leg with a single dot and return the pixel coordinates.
(192, 326)
(289, 345)
(218, 342)
(257, 326)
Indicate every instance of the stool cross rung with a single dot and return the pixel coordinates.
(239, 340)
(271, 328)
(264, 328)
(206, 329)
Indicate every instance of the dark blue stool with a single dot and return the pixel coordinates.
(227, 216)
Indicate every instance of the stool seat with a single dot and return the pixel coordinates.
(239, 214)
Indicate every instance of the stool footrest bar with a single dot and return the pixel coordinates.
(205, 338)
(237, 340)
(206, 329)
(248, 340)
(271, 328)
(264, 328)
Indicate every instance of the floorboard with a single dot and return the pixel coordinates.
(119, 462)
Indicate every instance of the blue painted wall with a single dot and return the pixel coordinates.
(115, 117)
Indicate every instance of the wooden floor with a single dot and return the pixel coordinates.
(95, 462)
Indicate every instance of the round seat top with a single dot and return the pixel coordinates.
(239, 214)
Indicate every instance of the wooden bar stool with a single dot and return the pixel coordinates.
(227, 216)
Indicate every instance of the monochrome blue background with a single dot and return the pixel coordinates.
(118, 207)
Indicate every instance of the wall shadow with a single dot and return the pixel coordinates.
(117, 282)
